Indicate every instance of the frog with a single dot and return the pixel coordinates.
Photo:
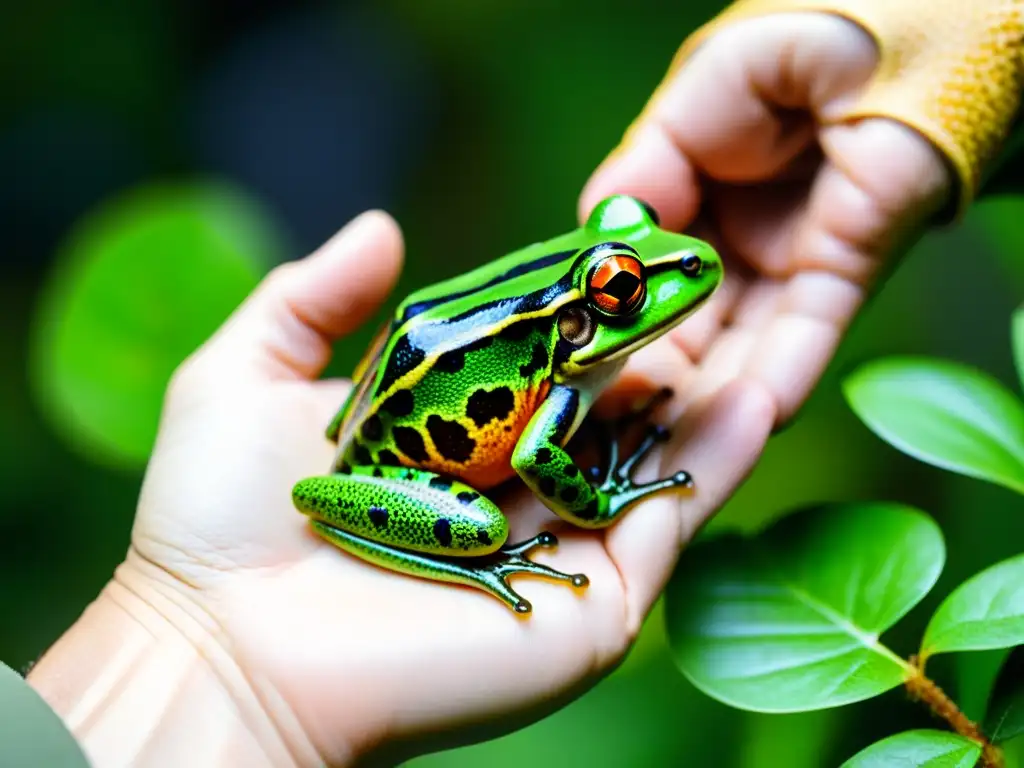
(485, 377)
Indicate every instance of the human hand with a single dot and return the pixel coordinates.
(742, 144)
(316, 656)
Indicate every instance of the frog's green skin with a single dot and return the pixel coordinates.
(474, 382)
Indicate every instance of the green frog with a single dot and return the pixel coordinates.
(486, 376)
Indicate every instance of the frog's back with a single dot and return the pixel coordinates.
(465, 366)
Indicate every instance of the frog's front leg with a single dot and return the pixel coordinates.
(422, 524)
(542, 462)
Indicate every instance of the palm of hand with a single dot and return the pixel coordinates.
(324, 628)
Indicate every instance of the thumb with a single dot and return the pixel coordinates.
(286, 327)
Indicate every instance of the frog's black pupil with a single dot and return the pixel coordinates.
(622, 286)
(650, 211)
(691, 265)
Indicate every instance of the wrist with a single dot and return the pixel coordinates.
(145, 676)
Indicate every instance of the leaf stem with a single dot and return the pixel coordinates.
(924, 689)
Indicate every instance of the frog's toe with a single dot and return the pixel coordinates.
(683, 480)
(512, 561)
(580, 580)
(544, 540)
(626, 493)
(523, 606)
(547, 539)
(660, 433)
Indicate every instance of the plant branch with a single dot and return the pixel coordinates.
(924, 689)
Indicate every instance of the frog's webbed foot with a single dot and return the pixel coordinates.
(492, 573)
(489, 573)
(616, 479)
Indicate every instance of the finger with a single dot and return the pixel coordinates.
(326, 397)
(881, 181)
(757, 225)
(856, 219)
(719, 444)
(785, 335)
(285, 328)
(741, 109)
(879, 186)
(653, 169)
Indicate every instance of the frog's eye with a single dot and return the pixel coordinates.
(617, 285)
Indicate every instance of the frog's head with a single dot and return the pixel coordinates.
(637, 281)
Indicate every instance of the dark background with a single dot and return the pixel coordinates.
(156, 158)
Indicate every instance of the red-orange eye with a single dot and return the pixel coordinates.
(617, 285)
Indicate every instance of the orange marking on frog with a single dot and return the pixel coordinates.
(491, 460)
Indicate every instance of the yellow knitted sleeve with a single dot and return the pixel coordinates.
(950, 69)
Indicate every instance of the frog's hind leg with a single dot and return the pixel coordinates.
(489, 573)
(424, 525)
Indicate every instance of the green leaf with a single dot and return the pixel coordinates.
(943, 413)
(986, 611)
(1004, 719)
(1017, 334)
(918, 749)
(789, 621)
(135, 289)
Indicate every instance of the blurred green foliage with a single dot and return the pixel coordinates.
(97, 99)
(141, 284)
